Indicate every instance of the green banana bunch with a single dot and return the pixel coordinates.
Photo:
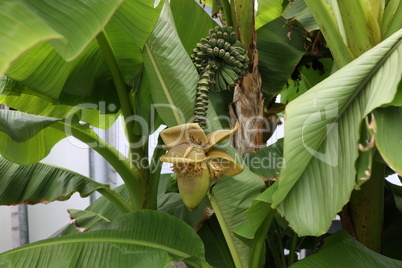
(220, 60)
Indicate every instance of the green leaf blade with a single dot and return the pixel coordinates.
(388, 135)
(102, 208)
(126, 240)
(233, 196)
(322, 133)
(267, 11)
(17, 36)
(172, 75)
(26, 139)
(84, 80)
(268, 161)
(283, 48)
(298, 11)
(137, 19)
(85, 19)
(191, 28)
(341, 250)
(41, 183)
(21, 127)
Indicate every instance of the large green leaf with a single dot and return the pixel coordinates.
(77, 78)
(45, 72)
(137, 19)
(84, 220)
(141, 238)
(25, 139)
(85, 19)
(216, 251)
(267, 11)
(361, 25)
(309, 77)
(142, 103)
(86, 80)
(388, 135)
(389, 14)
(169, 201)
(20, 126)
(298, 10)
(280, 48)
(268, 161)
(126, 52)
(259, 209)
(86, 112)
(342, 250)
(192, 22)
(322, 134)
(231, 197)
(395, 22)
(171, 72)
(398, 97)
(20, 30)
(41, 183)
(101, 209)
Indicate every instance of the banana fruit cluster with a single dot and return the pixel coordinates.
(221, 60)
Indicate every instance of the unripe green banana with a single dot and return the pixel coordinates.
(226, 56)
(216, 51)
(225, 36)
(220, 43)
(232, 38)
(204, 41)
(212, 42)
(227, 46)
(221, 53)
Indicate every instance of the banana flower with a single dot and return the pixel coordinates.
(194, 161)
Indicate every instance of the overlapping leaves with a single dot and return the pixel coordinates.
(41, 183)
(71, 70)
(322, 133)
(144, 238)
(342, 250)
(170, 72)
(25, 138)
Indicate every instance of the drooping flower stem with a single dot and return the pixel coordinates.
(201, 101)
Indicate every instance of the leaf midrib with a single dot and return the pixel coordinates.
(163, 83)
(101, 240)
(343, 109)
(361, 86)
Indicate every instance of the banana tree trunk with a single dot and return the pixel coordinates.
(247, 109)
(248, 102)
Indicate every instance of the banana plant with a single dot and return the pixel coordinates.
(67, 67)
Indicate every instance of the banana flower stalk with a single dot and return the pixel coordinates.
(194, 161)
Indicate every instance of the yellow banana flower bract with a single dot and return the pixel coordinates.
(195, 162)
